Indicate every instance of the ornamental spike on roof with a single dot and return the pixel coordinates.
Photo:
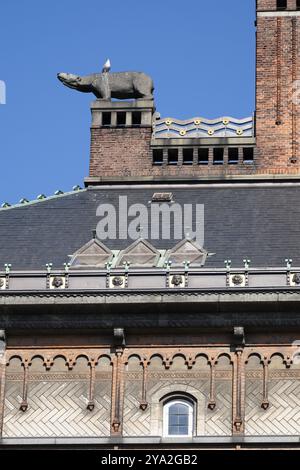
(40, 198)
(201, 127)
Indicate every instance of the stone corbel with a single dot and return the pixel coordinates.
(119, 337)
(167, 362)
(239, 336)
(48, 363)
(70, 363)
(288, 361)
(190, 362)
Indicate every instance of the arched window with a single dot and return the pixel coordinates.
(178, 418)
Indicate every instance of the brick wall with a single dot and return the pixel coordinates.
(271, 5)
(268, 5)
(277, 116)
(120, 152)
(126, 152)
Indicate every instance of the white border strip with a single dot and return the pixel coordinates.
(277, 13)
(204, 185)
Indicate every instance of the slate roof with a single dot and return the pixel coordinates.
(258, 221)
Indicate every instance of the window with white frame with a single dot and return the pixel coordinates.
(178, 418)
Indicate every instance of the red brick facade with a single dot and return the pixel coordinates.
(271, 5)
(120, 152)
(277, 111)
(127, 152)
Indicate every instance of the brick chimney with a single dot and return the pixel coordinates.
(129, 142)
(278, 67)
(120, 140)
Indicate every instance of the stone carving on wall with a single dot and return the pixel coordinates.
(177, 280)
(57, 282)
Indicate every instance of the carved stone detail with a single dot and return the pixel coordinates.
(237, 280)
(117, 281)
(119, 85)
(177, 280)
(57, 282)
(295, 279)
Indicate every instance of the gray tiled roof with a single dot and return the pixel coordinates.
(261, 222)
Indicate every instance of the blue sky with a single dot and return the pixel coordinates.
(201, 55)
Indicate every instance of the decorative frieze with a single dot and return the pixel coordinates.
(212, 377)
(199, 127)
(176, 274)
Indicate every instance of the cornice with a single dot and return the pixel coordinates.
(104, 296)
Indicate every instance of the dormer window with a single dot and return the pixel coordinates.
(140, 254)
(92, 255)
(187, 251)
(162, 197)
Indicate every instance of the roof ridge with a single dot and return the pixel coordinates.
(40, 198)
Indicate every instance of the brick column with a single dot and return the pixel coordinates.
(117, 398)
(238, 395)
(238, 403)
(277, 85)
